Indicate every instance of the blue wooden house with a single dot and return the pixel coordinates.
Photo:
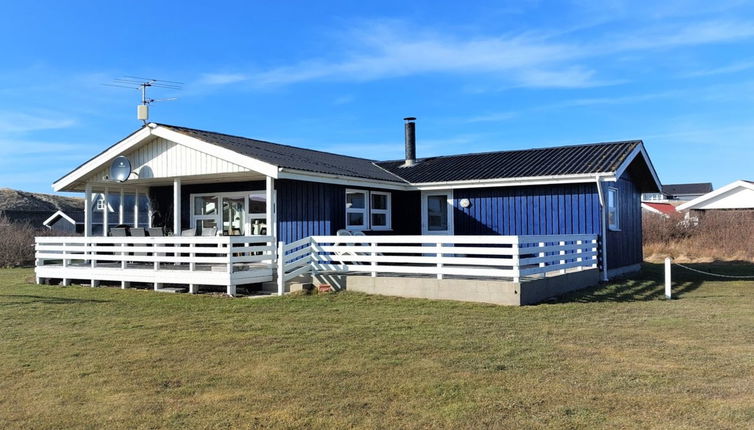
(202, 183)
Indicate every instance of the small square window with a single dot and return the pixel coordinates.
(379, 201)
(257, 204)
(355, 200)
(355, 219)
(379, 220)
(206, 205)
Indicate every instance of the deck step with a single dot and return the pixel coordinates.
(172, 290)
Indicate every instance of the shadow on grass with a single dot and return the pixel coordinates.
(650, 283)
(45, 300)
(645, 286)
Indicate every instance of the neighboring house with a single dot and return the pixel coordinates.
(74, 221)
(33, 208)
(678, 192)
(738, 195)
(71, 222)
(203, 180)
(664, 209)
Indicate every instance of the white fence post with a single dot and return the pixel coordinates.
(439, 256)
(281, 268)
(580, 260)
(542, 264)
(516, 260)
(668, 293)
(374, 258)
(562, 252)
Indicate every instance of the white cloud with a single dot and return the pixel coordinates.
(13, 122)
(379, 50)
(222, 78)
(730, 68)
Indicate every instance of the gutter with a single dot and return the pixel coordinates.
(603, 212)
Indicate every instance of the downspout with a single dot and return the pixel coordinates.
(603, 224)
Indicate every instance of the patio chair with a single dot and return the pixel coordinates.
(139, 232)
(118, 232)
(211, 231)
(156, 232)
(191, 232)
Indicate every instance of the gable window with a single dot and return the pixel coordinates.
(380, 210)
(613, 209)
(101, 204)
(356, 209)
(368, 210)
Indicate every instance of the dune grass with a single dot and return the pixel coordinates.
(616, 356)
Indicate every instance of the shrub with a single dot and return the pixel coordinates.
(17, 242)
(718, 235)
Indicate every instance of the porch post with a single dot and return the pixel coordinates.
(121, 208)
(136, 208)
(88, 211)
(105, 212)
(149, 210)
(271, 215)
(177, 207)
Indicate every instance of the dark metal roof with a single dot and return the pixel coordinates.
(290, 156)
(557, 161)
(698, 188)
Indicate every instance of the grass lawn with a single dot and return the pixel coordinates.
(617, 356)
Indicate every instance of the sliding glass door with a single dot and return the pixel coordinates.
(231, 214)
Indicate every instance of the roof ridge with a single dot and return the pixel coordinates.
(544, 148)
(264, 141)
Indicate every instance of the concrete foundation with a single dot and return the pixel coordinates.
(469, 290)
(622, 271)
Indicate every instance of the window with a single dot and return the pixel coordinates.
(258, 212)
(367, 210)
(437, 212)
(356, 210)
(101, 204)
(205, 212)
(380, 210)
(613, 212)
(236, 213)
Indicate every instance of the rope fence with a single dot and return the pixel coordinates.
(714, 274)
(668, 284)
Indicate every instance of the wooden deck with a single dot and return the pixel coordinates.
(191, 261)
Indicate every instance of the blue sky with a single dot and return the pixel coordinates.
(341, 76)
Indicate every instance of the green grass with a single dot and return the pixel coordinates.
(618, 356)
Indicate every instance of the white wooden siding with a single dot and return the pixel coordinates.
(162, 158)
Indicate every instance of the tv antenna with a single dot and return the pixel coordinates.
(142, 84)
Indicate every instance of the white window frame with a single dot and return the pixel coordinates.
(387, 212)
(613, 206)
(100, 203)
(218, 215)
(364, 211)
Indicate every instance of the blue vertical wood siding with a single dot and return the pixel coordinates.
(308, 209)
(553, 209)
(624, 246)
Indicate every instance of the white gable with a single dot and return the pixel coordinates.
(737, 198)
(737, 195)
(162, 158)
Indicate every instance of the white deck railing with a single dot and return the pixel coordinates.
(222, 260)
(504, 257)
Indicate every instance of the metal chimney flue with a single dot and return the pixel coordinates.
(410, 141)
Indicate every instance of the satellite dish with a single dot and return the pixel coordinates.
(120, 170)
